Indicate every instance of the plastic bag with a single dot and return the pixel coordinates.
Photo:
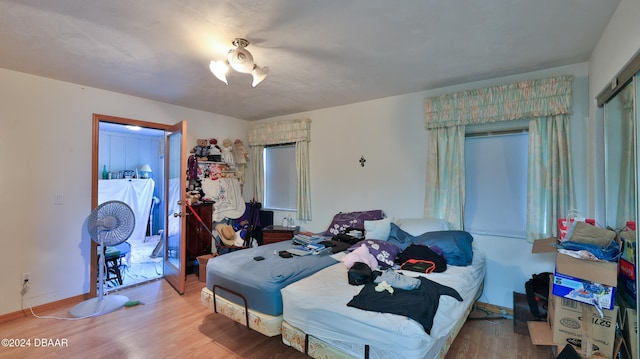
(566, 225)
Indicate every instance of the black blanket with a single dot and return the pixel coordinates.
(419, 304)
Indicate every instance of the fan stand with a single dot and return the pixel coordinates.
(101, 304)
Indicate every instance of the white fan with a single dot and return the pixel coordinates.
(109, 224)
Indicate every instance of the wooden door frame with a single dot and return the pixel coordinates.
(97, 118)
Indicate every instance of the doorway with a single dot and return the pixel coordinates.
(129, 166)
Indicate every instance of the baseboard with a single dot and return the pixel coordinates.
(494, 309)
(44, 307)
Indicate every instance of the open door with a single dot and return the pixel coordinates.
(114, 154)
(174, 262)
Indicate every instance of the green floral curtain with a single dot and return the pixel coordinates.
(550, 192)
(445, 175)
(627, 163)
(520, 100)
(279, 132)
(541, 101)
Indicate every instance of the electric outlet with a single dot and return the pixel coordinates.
(26, 279)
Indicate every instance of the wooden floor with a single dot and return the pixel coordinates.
(170, 326)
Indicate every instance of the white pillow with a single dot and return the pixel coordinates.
(417, 226)
(379, 229)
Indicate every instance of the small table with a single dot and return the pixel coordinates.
(273, 233)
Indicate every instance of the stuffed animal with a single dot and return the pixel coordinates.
(227, 156)
(215, 172)
(193, 197)
(215, 155)
(240, 154)
(241, 157)
(201, 150)
(214, 148)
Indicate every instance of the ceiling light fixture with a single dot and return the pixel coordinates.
(240, 60)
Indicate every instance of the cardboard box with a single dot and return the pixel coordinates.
(574, 275)
(627, 285)
(630, 332)
(541, 335)
(568, 326)
(202, 266)
(586, 281)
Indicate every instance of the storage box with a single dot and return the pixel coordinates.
(627, 285)
(202, 266)
(630, 332)
(585, 280)
(566, 317)
(574, 275)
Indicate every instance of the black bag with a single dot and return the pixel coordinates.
(360, 273)
(341, 237)
(537, 289)
(422, 259)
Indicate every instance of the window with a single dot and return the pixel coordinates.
(496, 184)
(280, 178)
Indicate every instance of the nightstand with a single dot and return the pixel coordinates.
(273, 233)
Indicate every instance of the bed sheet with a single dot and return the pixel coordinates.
(260, 281)
(317, 305)
(136, 193)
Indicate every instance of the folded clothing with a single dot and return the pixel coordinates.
(397, 280)
(609, 253)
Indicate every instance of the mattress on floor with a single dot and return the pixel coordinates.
(317, 306)
(260, 281)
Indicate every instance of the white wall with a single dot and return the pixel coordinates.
(45, 148)
(390, 133)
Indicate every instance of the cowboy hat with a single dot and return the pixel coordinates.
(227, 234)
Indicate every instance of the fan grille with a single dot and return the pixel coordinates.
(111, 223)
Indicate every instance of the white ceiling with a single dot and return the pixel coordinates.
(321, 53)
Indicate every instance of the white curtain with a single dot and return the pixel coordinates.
(256, 154)
(304, 180)
(280, 132)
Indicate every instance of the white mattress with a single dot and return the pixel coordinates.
(317, 305)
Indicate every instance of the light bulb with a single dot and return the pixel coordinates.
(219, 69)
(259, 74)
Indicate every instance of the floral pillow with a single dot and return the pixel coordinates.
(384, 252)
(344, 220)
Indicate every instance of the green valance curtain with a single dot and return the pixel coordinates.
(279, 132)
(547, 104)
(296, 131)
(519, 100)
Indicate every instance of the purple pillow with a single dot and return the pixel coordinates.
(344, 220)
(385, 252)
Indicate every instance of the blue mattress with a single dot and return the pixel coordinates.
(260, 281)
